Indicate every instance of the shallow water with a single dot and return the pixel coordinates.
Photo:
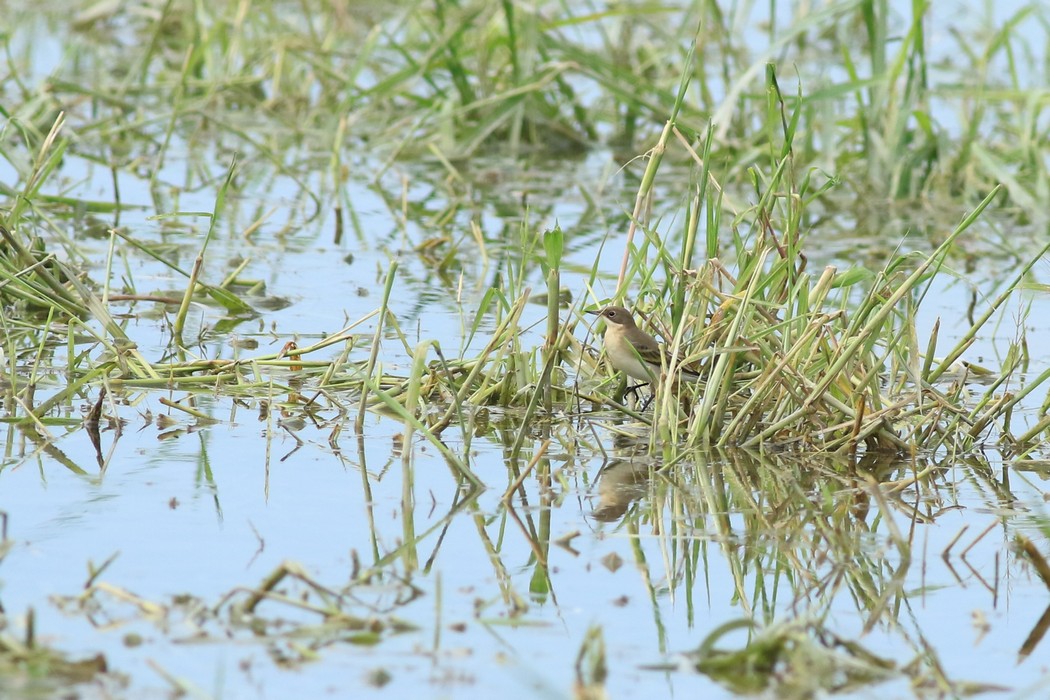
(217, 509)
(195, 514)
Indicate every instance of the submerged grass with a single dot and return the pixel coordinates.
(736, 189)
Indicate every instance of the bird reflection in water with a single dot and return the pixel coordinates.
(620, 483)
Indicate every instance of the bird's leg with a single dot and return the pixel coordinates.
(648, 401)
(634, 390)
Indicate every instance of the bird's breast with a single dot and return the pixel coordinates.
(625, 359)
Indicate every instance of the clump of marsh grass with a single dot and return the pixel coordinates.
(29, 662)
(449, 80)
(827, 359)
(47, 301)
(794, 659)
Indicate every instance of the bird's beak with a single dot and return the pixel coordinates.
(594, 312)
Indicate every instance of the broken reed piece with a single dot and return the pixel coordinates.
(1029, 549)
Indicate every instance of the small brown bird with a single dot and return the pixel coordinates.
(630, 349)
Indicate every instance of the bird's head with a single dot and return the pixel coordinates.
(616, 316)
